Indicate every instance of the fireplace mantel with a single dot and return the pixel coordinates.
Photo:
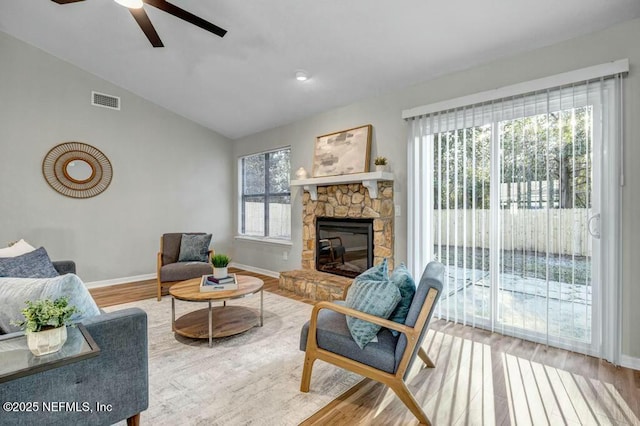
(369, 180)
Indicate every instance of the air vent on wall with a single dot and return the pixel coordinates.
(105, 101)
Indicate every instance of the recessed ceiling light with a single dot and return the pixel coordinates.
(131, 4)
(302, 76)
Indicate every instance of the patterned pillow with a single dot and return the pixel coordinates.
(378, 272)
(194, 248)
(373, 293)
(15, 291)
(407, 286)
(35, 264)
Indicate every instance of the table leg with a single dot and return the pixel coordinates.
(173, 314)
(210, 325)
(261, 308)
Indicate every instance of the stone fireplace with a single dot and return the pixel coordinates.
(341, 201)
(350, 201)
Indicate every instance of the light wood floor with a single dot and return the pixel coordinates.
(480, 378)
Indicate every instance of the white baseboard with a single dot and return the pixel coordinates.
(266, 272)
(123, 280)
(126, 280)
(630, 362)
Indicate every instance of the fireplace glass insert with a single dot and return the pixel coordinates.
(344, 246)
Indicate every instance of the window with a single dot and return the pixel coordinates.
(266, 196)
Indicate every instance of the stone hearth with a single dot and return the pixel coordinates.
(340, 201)
(314, 285)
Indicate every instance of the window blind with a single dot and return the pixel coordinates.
(507, 194)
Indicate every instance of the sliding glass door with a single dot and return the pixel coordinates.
(462, 222)
(514, 212)
(545, 257)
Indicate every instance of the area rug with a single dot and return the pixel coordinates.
(252, 378)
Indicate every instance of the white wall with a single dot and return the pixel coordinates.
(169, 174)
(390, 133)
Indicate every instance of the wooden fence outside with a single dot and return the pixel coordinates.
(521, 229)
(279, 219)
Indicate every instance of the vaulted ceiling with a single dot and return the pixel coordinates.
(244, 83)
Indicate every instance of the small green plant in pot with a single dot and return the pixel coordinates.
(381, 163)
(45, 323)
(220, 263)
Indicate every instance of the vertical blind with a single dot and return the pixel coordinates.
(507, 194)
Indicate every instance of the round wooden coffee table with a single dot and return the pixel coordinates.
(218, 321)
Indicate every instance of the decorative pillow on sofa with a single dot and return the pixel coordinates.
(35, 264)
(373, 293)
(194, 248)
(407, 286)
(16, 249)
(15, 291)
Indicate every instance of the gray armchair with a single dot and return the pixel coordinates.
(327, 337)
(170, 270)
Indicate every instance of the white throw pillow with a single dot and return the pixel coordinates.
(19, 248)
(15, 291)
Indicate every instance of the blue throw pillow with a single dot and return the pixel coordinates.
(407, 286)
(15, 291)
(378, 272)
(35, 264)
(373, 293)
(194, 248)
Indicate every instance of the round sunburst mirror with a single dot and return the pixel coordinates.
(77, 170)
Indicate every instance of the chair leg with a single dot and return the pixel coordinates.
(306, 373)
(134, 420)
(405, 395)
(425, 358)
(159, 291)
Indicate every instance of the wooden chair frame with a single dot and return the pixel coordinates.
(394, 381)
(159, 265)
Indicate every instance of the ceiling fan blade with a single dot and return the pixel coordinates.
(65, 1)
(143, 20)
(187, 16)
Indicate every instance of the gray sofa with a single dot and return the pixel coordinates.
(65, 266)
(117, 376)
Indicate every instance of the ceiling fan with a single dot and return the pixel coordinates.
(141, 17)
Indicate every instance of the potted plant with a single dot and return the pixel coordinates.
(381, 164)
(45, 323)
(220, 263)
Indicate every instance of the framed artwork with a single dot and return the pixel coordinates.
(342, 153)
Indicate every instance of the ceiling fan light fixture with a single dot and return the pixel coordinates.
(142, 19)
(131, 4)
(302, 75)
